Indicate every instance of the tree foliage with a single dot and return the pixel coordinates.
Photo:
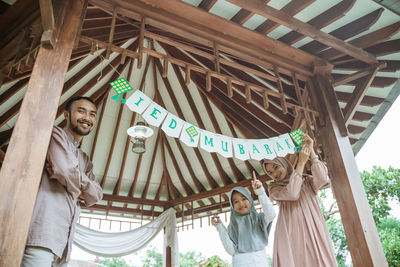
(381, 187)
(114, 262)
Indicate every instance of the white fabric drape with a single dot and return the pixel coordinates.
(124, 243)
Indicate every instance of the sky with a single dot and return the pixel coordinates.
(381, 149)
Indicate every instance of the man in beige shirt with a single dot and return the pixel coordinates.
(67, 181)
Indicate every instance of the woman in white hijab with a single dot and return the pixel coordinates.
(248, 230)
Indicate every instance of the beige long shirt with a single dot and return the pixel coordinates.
(67, 177)
(301, 235)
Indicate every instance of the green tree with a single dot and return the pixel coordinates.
(381, 187)
(153, 258)
(114, 262)
(214, 261)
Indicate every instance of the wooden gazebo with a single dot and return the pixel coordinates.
(247, 69)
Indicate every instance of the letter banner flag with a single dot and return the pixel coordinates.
(256, 149)
(190, 135)
(138, 102)
(224, 146)
(240, 149)
(268, 149)
(279, 146)
(172, 125)
(154, 114)
(288, 144)
(207, 141)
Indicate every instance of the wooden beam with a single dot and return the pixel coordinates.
(324, 19)
(47, 17)
(306, 29)
(357, 96)
(238, 175)
(362, 237)
(18, 16)
(32, 134)
(364, 41)
(292, 8)
(222, 174)
(111, 36)
(354, 76)
(180, 63)
(217, 191)
(347, 31)
(133, 200)
(193, 23)
(207, 4)
(168, 86)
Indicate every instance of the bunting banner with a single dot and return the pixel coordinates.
(191, 135)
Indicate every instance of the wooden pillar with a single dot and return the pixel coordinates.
(168, 259)
(23, 164)
(359, 226)
(167, 251)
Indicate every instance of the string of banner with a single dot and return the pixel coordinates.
(193, 136)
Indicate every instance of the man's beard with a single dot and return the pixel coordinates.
(76, 129)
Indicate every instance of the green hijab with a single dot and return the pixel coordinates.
(249, 232)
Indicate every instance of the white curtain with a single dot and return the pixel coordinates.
(124, 243)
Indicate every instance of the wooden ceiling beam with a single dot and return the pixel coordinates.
(385, 48)
(188, 48)
(378, 81)
(133, 200)
(194, 24)
(138, 165)
(238, 175)
(48, 24)
(347, 31)
(242, 75)
(359, 74)
(369, 101)
(111, 152)
(156, 145)
(207, 4)
(292, 8)
(358, 94)
(165, 170)
(168, 86)
(215, 192)
(105, 31)
(362, 116)
(245, 128)
(102, 23)
(17, 17)
(182, 63)
(222, 174)
(185, 185)
(174, 192)
(249, 167)
(98, 127)
(364, 41)
(188, 190)
(269, 130)
(236, 109)
(151, 168)
(322, 20)
(13, 90)
(15, 109)
(117, 188)
(94, 13)
(242, 16)
(305, 29)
